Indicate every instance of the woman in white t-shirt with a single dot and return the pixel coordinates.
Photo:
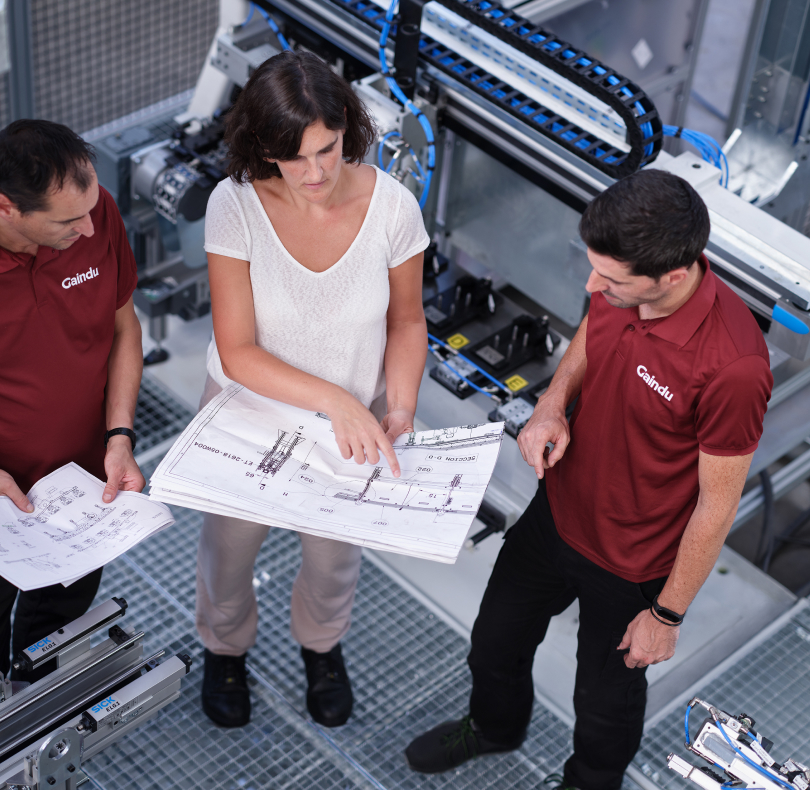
(315, 264)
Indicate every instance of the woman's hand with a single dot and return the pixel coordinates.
(397, 422)
(359, 435)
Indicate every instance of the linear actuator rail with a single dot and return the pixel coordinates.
(631, 104)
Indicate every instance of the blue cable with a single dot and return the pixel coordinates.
(466, 380)
(272, 23)
(380, 148)
(768, 774)
(407, 103)
(469, 361)
(249, 16)
(686, 725)
(707, 146)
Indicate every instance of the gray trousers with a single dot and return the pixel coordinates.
(227, 614)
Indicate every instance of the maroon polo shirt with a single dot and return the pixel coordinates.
(57, 320)
(655, 393)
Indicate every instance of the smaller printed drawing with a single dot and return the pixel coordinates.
(345, 489)
(113, 530)
(70, 495)
(50, 507)
(449, 439)
(88, 521)
(430, 496)
(39, 563)
(275, 458)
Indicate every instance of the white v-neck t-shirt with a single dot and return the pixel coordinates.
(330, 324)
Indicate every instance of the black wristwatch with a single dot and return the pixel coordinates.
(664, 615)
(121, 432)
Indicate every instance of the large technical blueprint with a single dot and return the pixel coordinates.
(254, 458)
(71, 531)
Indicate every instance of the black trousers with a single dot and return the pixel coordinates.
(39, 613)
(538, 575)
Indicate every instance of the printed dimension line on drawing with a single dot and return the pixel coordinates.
(434, 497)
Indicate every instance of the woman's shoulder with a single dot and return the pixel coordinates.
(230, 189)
(392, 194)
(229, 197)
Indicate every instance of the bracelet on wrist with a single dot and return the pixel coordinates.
(665, 616)
(121, 432)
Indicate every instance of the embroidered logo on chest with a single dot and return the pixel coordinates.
(651, 382)
(78, 279)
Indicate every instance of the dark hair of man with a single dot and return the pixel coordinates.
(652, 221)
(285, 95)
(39, 156)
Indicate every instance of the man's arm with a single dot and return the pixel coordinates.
(124, 368)
(721, 480)
(548, 423)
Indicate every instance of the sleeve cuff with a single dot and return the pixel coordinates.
(122, 300)
(722, 451)
(421, 246)
(241, 256)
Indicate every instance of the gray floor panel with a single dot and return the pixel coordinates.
(408, 669)
(771, 684)
(158, 415)
(180, 749)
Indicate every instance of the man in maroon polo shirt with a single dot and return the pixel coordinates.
(637, 496)
(70, 345)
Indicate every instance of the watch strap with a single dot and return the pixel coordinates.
(665, 616)
(121, 432)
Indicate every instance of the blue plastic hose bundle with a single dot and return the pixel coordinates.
(408, 105)
(421, 177)
(453, 351)
(708, 148)
(271, 23)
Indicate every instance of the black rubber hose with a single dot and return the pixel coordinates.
(765, 547)
(786, 536)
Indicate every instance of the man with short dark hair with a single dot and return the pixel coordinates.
(70, 345)
(637, 496)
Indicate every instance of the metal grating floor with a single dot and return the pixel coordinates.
(158, 415)
(407, 665)
(409, 673)
(770, 683)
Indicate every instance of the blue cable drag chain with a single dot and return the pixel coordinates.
(644, 127)
(634, 107)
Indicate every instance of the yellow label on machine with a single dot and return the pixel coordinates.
(457, 341)
(516, 383)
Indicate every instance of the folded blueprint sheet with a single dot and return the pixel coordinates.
(71, 531)
(257, 459)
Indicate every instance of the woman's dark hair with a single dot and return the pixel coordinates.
(652, 220)
(285, 95)
(37, 156)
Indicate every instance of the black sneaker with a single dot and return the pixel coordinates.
(225, 695)
(329, 692)
(449, 745)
